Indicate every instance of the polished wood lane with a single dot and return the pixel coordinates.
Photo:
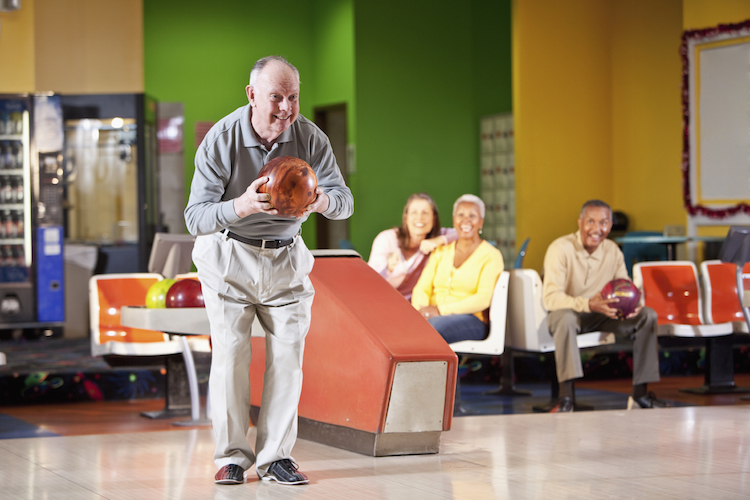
(673, 453)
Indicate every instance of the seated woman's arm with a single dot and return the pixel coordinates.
(384, 244)
(447, 235)
(421, 295)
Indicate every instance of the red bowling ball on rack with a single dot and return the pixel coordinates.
(185, 293)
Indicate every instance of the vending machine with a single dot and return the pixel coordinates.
(112, 178)
(31, 212)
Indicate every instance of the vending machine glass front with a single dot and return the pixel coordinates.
(15, 208)
(102, 193)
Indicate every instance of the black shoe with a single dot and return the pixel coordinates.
(564, 405)
(285, 472)
(648, 401)
(230, 474)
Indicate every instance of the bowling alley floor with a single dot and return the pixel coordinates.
(107, 450)
(681, 453)
(699, 448)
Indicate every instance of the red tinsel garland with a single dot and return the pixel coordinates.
(698, 35)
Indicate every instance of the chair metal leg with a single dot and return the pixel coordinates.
(507, 376)
(195, 403)
(719, 377)
(177, 395)
(458, 408)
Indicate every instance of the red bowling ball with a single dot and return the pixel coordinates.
(292, 184)
(185, 293)
(627, 294)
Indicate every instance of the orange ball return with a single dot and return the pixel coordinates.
(378, 379)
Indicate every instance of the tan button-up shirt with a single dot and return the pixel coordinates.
(572, 276)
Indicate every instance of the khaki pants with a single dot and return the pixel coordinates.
(565, 324)
(240, 281)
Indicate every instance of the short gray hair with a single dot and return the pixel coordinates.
(595, 204)
(469, 198)
(261, 63)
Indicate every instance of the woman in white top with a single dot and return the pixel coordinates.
(399, 254)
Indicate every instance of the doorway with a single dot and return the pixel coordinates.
(332, 121)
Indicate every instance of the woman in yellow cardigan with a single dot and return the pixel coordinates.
(455, 289)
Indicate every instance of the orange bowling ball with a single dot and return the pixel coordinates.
(292, 184)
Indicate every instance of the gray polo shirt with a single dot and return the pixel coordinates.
(229, 159)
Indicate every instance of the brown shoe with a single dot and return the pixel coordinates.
(230, 474)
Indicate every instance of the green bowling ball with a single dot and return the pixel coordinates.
(157, 294)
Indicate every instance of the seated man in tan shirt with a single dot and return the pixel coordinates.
(576, 268)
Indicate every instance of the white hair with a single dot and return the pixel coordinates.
(469, 198)
(261, 63)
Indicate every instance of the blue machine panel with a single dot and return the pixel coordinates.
(49, 269)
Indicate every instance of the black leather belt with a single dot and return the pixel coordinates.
(259, 243)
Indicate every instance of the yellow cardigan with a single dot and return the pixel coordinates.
(466, 290)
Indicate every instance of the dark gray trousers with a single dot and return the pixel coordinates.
(566, 324)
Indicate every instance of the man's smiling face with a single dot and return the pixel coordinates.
(595, 224)
(275, 100)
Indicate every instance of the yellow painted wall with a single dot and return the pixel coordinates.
(597, 113)
(17, 49)
(647, 113)
(72, 47)
(89, 46)
(698, 14)
(562, 110)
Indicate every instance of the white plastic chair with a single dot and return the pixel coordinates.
(494, 343)
(527, 318)
(528, 330)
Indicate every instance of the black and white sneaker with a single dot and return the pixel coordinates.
(285, 472)
(648, 401)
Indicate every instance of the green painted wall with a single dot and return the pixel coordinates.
(201, 53)
(425, 72)
(416, 77)
(333, 74)
(333, 32)
(491, 57)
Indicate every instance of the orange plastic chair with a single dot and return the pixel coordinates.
(722, 302)
(107, 294)
(671, 288)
